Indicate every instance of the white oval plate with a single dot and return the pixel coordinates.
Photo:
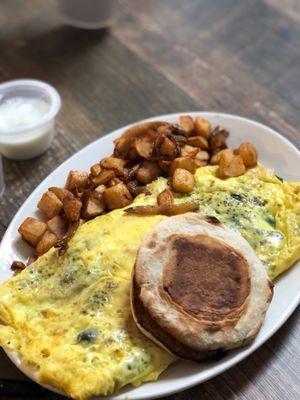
(274, 151)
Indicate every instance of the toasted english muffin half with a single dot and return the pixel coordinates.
(198, 288)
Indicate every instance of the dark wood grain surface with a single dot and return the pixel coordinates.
(240, 57)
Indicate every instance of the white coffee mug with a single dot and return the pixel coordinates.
(88, 14)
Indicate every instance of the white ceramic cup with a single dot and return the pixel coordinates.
(88, 14)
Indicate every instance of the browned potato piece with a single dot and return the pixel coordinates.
(47, 241)
(113, 163)
(61, 193)
(198, 141)
(100, 189)
(95, 169)
(231, 165)
(32, 230)
(167, 147)
(117, 196)
(183, 162)
(93, 205)
(113, 182)
(164, 165)
(189, 151)
(202, 155)
(140, 129)
(76, 180)
(147, 172)
(202, 127)
(165, 197)
(103, 178)
(72, 208)
(144, 147)
(249, 154)
(50, 204)
(122, 146)
(187, 124)
(215, 160)
(57, 225)
(183, 181)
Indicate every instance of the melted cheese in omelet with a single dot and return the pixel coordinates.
(69, 317)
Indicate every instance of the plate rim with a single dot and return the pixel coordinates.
(225, 365)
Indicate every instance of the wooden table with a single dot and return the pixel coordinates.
(240, 57)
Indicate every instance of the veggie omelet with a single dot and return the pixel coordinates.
(69, 316)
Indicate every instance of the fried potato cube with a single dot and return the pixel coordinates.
(113, 163)
(122, 147)
(61, 193)
(215, 160)
(103, 178)
(72, 208)
(95, 169)
(57, 225)
(167, 147)
(47, 241)
(117, 196)
(50, 204)
(147, 172)
(93, 205)
(184, 163)
(144, 147)
(249, 154)
(100, 189)
(32, 230)
(76, 180)
(231, 165)
(165, 197)
(187, 124)
(113, 182)
(198, 141)
(202, 155)
(183, 181)
(202, 127)
(189, 151)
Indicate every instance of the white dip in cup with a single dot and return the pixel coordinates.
(27, 115)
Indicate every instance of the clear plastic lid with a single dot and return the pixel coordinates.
(36, 91)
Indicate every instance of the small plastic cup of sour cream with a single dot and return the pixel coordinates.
(27, 118)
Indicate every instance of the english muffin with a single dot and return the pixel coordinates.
(198, 288)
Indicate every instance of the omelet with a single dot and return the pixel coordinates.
(69, 317)
(263, 208)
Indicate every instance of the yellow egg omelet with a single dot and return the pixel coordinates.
(69, 317)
